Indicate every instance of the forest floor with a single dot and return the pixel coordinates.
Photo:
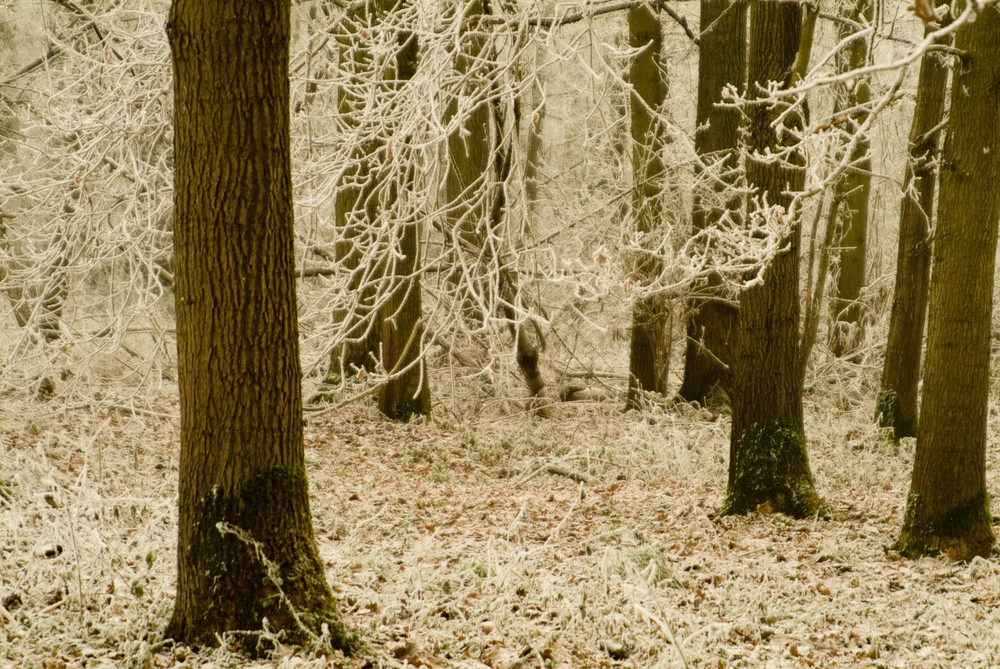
(592, 539)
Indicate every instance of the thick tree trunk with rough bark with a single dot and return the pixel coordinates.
(855, 188)
(947, 509)
(768, 464)
(246, 550)
(896, 404)
(721, 62)
(649, 354)
(408, 390)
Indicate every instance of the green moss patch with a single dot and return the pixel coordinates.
(405, 409)
(258, 569)
(886, 408)
(961, 533)
(887, 414)
(772, 471)
(717, 400)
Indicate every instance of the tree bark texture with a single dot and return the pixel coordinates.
(246, 550)
(855, 187)
(768, 462)
(947, 509)
(649, 356)
(721, 62)
(896, 405)
(408, 390)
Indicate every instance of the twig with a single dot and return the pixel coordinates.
(313, 411)
(76, 559)
(307, 272)
(569, 473)
(135, 411)
(568, 515)
(599, 10)
(452, 350)
(33, 65)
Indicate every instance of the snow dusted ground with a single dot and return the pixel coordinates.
(589, 540)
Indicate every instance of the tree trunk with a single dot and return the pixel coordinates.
(768, 464)
(814, 292)
(477, 170)
(947, 509)
(855, 187)
(896, 404)
(246, 550)
(407, 391)
(533, 152)
(721, 62)
(355, 207)
(806, 40)
(649, 356)
(527, 338)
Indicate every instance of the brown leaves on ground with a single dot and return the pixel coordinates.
(468, 545)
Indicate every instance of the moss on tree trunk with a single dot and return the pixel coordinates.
(258, 561)
(772, 470)
(889, 414)
(959, 533)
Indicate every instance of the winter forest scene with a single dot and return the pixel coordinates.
(499, 333)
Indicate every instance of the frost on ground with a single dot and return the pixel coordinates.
(589, 540)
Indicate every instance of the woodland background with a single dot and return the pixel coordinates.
(461, 541)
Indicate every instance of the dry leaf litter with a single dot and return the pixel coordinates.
(589, 540)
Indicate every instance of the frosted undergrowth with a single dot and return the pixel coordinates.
(589, 540)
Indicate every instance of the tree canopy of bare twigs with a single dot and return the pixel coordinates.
(85, 253)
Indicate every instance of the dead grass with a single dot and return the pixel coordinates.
(452, 544)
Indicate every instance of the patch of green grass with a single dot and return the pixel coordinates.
(650, 561)
(480, 567)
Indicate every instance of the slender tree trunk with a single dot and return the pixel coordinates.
(649, 356)
(477, 170)
(533, 153)
(855, 187)
(802, 58)
(817, 258)
(768, 464)
(947, 509)
(896, 405)
(527, 338)
(356, 206)
(814, 292)
(246, 550)
(721, 62)
(408, 390)
(469, 180)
